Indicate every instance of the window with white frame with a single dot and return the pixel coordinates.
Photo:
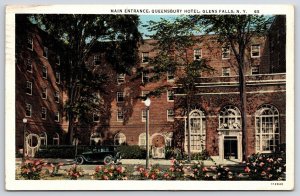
(120, 97)
(28, 110)
(225, 71)
(170, 115)
(119, 139)
(225, 53)
(144, 115)
(169, 138)
(44, 113)
(145, 77)
(44, 72)
(170, 76)
(96, 117)
(255, 70)
(144, 94)
(230, 118)
(198, 131)
(58, 60)
(57, 77)
(255, 51)
(28, 88)
(170, 96)
(142, 140)
(28, 64)
(97, 60)
(120, 115)
(29, 42)
(56, 116)
(45, 52)
(121, 78)
(197, 54)
(267, 132)
(145, 57)
(44, 93)
(56, 96)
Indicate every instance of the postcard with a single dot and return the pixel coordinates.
(149, 97)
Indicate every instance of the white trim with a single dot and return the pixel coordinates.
(96, 58)
(142, 136)
(45, 92)
(172, 80)
(30, 110)
(120, 119)
(44, 111)
(200, 54)
(144, 57)
(46, 51)
(30, 85)
(57, 95)
(170, 119)
(57, 117)
(144, 76)
(123, 137)
(251, 52)
(57, 77)
(170, 100)
(30, 37)
(225, 70)
(44, 71)
(144, 119)
(29, 62)
(223, 51)
(98, 116)
(121, 77)
(57, 60)
(119, 96)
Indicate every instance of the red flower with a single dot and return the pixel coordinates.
(247, 169)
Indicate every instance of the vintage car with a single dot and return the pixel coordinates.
(102, 154)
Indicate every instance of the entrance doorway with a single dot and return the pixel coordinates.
(158, 146)
(230, 147)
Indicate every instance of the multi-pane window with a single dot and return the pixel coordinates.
(56, 96)
(28, 88)
(255, 51)
(145, 57)
(120, 115)
(58, 60)
(121, 78)
(96, 117)
(28, 110)
(56, 116)
(170, 95)
(145, 77)
(97, 60)
(120, 96)
(197, 54)
(170, 76)
(28, 64)
(44, 113)
(254, 70)
(225, 71)
(57, 77)
(225, 53)
(44, 93)
(267, 132)
(44, 72)
(197, 130)
(170, 115)
(120, 139)
(142, 140)
(29, 42)
(230, 118)
(45, 52)
(144, 115)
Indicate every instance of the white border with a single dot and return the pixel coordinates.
(12, 184)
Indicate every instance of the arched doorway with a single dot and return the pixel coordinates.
(158, 143)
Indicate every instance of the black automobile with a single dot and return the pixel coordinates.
(102, 154)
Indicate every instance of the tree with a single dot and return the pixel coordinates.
(174, 41)
(237, 31)
(80, 33)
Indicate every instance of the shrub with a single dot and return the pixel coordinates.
(74, 172)
(176, 170)
(131, 152)
(199, 171)
(222, 173)
(154, 173)
(112, 172)
(53, 168)
(173, 153)
(31, 170)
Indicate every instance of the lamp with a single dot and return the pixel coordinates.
(147, 104)
(24, 140)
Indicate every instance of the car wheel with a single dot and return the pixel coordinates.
(79, 160)
(108, 159)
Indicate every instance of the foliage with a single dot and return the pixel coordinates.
(223, 173)
(111, 172)
(31, 170)
(172, 153)
(131, 152)
(199, 171)
(53, 168)
(265, 167)
(74, 172)
(176, 170)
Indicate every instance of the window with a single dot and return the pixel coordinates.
(44, 72)
(170, 96)
(97, 60)
(43, 137)
(145, 77)
(145, 57)
(56, 96)
(28, 88)
(120, 139)
(57, 77)
(44, 93)
(45, 52)
(44, 113)
(197, 54)
(28, 110)
(198, 131)
(254, 70)
(142, 140)
(120, 116)
(29, 42)
(121, 78)
(255, 51)
(28, 64)
(144, 95)
(56, 139)
(56, 118)
(267, 133)
(225, 71)
(144, 115)
(170, 76)
(58, 60)
(230, 118)
(120, 96)
(170, 115)
(225, 53)
(96, 117)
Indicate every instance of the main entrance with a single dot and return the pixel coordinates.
(230, 147)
